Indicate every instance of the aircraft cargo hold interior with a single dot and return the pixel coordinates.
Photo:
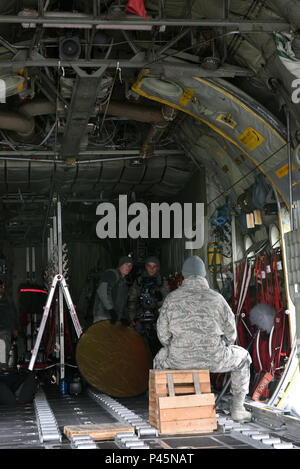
(136, 137)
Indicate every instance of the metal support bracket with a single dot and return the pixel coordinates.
(81, 109)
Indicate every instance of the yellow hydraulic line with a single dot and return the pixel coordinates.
(289, 385)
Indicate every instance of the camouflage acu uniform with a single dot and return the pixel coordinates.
(197, 330)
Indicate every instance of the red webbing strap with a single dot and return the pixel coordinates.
(268, 295)
(272, 289)
(256, 277)
(261, 391)
(277, 342)
(235, 290)
(279, 320)
(278, 303)
(260, 298)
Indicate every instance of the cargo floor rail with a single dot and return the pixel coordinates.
(142, 428)
(46, 421)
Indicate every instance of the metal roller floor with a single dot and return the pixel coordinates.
(18, 428)
(23, 427)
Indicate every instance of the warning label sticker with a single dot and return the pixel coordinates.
(281, 172)
(186, 96)
(251, 138)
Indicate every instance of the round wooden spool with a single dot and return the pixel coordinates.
(114, 359)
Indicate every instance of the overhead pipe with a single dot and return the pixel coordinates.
(135, 112)
(22, 122)
(168, 114)
(159, 118)
(37, 107)
(16, 122)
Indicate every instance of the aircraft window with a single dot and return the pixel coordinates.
(248, 243)
(239, 251)
(274, 236)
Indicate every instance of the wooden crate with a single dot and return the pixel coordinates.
(180, 402)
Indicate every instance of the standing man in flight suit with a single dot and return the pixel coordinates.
(112, 294)
(197, 329)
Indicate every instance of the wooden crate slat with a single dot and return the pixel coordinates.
(181, 382)
(179, 388)
(179, 376)
(183, 376)
(174, 371)
(193, 400)
(188, 413)
(188, 426)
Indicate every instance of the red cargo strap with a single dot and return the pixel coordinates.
(259, 298)
(278, 303)
(268, 294)
(261, 389)
(277, 341)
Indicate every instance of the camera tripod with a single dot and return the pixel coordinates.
(58, 279)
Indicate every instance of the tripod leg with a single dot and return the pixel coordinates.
(71, 307)
(43, 324)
